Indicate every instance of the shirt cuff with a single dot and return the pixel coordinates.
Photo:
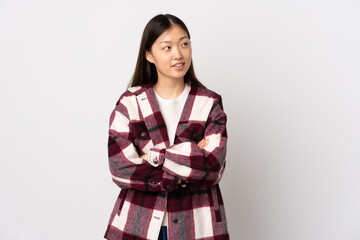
(169, 183)
(156, 156)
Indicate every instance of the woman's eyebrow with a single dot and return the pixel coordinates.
(171, 41)
(183, 37)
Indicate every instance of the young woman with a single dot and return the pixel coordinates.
(167, 145)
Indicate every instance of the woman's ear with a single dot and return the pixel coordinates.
(149, 56)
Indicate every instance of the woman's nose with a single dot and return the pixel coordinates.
(177, 53)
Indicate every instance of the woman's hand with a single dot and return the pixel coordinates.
(145, 156)
(203, 143)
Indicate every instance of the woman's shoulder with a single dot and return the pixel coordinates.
(132, 93)
(136, 90)
(206, 92)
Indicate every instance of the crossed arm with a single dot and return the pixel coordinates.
(197, 163)
(202, 144)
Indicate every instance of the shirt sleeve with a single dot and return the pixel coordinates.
(128, 170)
(189, 162)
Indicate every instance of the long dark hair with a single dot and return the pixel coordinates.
(145, 72)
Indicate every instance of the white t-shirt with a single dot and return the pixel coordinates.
(171, 110)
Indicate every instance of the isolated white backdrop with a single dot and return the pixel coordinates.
(289, 75)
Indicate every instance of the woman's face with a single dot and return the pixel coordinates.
(171, 54)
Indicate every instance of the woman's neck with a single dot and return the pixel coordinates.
(169, 89)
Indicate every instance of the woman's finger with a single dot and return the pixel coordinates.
(203, 143)
(200, 144)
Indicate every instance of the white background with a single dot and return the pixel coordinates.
(289, 74)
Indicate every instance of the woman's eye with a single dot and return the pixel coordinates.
(166, 48)
(185, 44)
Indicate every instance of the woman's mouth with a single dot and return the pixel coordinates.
(178, 65)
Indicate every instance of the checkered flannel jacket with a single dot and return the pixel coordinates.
(148, 188)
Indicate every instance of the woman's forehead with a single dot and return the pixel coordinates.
(173, 34)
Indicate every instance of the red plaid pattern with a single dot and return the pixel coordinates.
(151, 187)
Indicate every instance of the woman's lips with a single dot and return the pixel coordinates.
(178, 65)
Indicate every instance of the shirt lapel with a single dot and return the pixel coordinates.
(185, 114)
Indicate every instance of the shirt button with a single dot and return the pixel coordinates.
(168, 186)
(156, 161)
(175, 220)
(143, 134)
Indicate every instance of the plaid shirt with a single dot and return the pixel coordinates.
(149, 188)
